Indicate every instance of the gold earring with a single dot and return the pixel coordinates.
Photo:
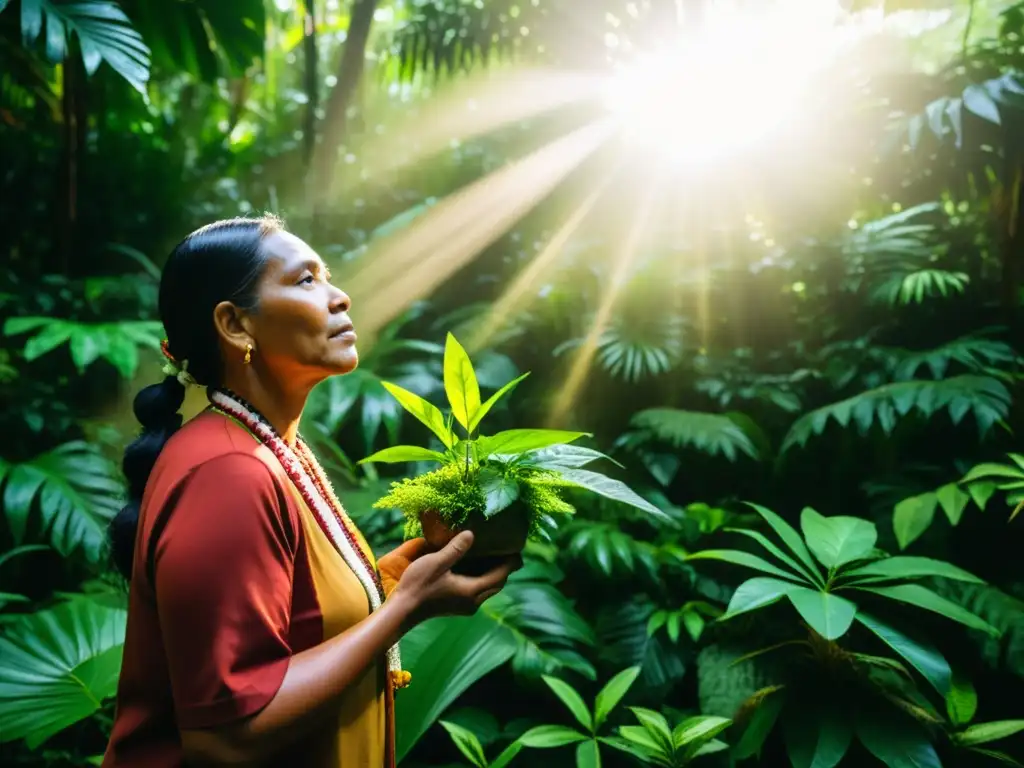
(248, 354)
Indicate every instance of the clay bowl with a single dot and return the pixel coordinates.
(495, 539)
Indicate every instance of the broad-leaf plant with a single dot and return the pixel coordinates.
(835, 576)
(489, 473)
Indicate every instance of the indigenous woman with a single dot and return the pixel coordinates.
(260, 629)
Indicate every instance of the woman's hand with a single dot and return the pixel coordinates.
(394, 563)
(433, 590)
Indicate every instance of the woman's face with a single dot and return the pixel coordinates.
(301, 330)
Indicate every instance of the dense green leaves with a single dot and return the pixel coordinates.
(207, 39)
(846, 281)
(547, 629)
(117, 343)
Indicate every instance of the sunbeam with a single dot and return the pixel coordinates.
(513, 298)
(461, 111)
(585, 354)
(409, 265)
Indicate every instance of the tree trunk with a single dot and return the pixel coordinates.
(335, 123)
(73, 129)
(311, 79)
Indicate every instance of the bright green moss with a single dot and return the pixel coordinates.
(454, 494)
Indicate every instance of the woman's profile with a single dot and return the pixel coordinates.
(260, 629)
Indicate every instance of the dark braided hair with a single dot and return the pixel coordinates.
(222, 261)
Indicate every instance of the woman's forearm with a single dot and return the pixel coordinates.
(315, 679)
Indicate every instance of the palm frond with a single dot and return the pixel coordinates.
(986, 398)
(712, 433)
(104, 34)
(452, 35)
(638, 346)
(75, 490)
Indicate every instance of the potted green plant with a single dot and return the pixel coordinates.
(504, 487)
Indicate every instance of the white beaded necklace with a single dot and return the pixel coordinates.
(316, 490)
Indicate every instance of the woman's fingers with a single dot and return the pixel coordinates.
(455, 550)
(495, 578)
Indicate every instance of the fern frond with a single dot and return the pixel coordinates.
(972, 352)
(912, 286)
(713, 433)
(983, 396)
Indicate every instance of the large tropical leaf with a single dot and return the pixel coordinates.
(546, 627)
(986, 398)
(896, 740)
(427, 413)
(57, 667)
(445, 657)
(610, 488)
(915, 594)
(837, 540)
(103, 30)
(900, 568)
(75, 490)
(816, 738)
(757, 593)
(827, 614)
(513, 441)
(460, 383)
(713, 433)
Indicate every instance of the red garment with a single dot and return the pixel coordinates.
(222, 594)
